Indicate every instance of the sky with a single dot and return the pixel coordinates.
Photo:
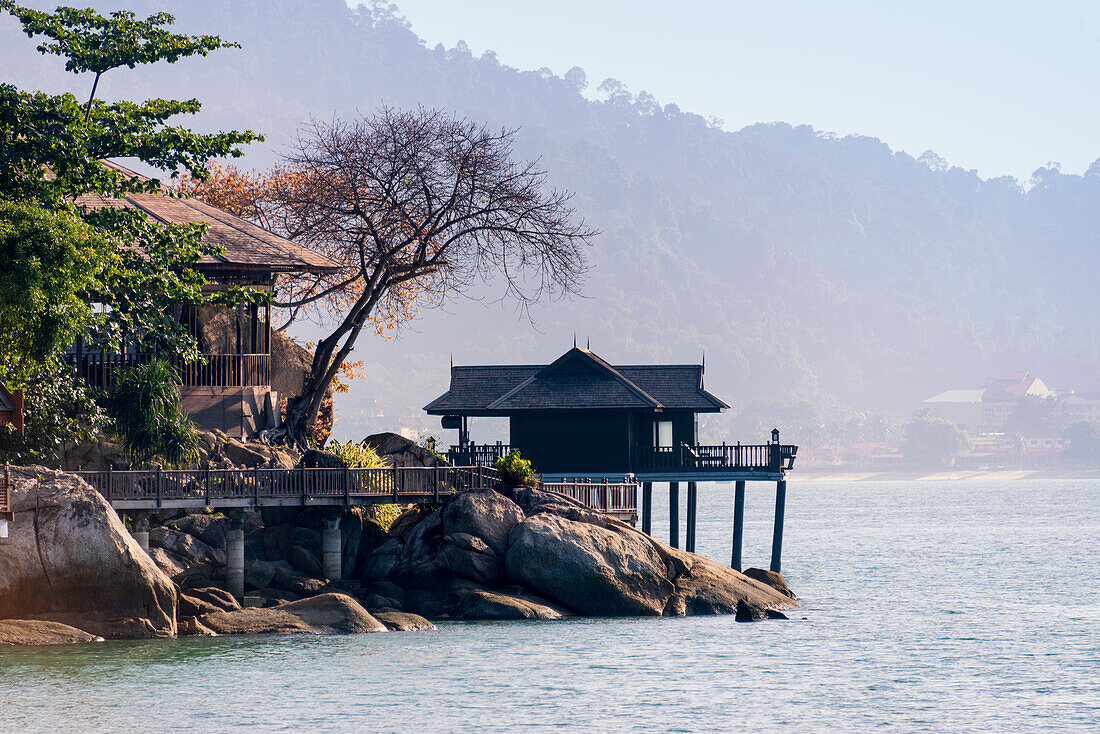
(1003, 87)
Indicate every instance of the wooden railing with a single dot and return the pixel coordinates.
(605, 496)
(213, 487)
(5, 495)
(477, 455)
(214, 370)
(769, 457)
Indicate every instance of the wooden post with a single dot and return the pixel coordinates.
(302, 484)
(738, 523)
(159, 483)
(347, 487)
(647, 507)
(693, 492)
(109, 488)
(674, 514)
(255, 487)
(777, 529)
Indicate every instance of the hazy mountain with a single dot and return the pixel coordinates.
(804, 264)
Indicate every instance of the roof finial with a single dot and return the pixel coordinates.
(574, 340)
(704, 360)
(588, 345)
(452, 360)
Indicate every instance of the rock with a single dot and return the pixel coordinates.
(259, 574)
(192, 627)
(400, 451)
(252, 601)
(470, 557)
(323, 614)
(191, 606)
(406, 521)
(375, 601)
(708, 587)
(770, 578)
(484, 513)
(275, 597)
(385, 588)
(491, 605)
(185, 546)
(44, 632)
(380, 564)
(172, 565)
(306, 562)
(314, 459)
(533, 501)
(403, 621)
(245, 454)
(207, 528)
(307, 538)
(351, 533)
(289, 580)
(278, 540)
(68, 557)
(214, 596)
(588, 569)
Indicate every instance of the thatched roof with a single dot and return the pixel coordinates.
(245, 246)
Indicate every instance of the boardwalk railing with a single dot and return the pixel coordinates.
(473, 454)
(141, 489)
(769, 457)
(214, 370)
(608, 497)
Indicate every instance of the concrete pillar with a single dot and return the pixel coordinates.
(738, 524)
(331, 548)
(693, 497)
(777, 529)
(647, 507)
(674, 514)
(234, 558)
(141, 530)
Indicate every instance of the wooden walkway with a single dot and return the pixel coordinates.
(249, 488)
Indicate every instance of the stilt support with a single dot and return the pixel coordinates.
(674, 514)
(141, 530)
(777, 529)
(693, 496)
(331, 548)
(647, 508)
(234, 558)
(738, 524)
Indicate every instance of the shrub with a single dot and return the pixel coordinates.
(514, 470)
(147, 414)
(384, 515)
(356, 455)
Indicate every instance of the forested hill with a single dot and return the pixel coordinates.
(805, 264)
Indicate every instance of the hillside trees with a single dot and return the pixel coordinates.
(60, 255)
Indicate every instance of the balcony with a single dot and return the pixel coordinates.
(215, 370)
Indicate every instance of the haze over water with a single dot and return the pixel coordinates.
(928, 606)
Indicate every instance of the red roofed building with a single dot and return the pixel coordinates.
(1003, 395)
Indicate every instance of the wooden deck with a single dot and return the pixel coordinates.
(251, 488)
(214, 370)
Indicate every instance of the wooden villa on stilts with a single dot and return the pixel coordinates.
(582, 419)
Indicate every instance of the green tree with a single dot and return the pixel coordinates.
(934, 440)
(62, 254)
(147, 413)
(1082, 441)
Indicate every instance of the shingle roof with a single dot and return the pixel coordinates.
(578, 380)
(245, 245)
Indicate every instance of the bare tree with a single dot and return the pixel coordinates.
(417, 206)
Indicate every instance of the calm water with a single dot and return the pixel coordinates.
(928, 607)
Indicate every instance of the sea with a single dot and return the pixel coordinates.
(966, 606)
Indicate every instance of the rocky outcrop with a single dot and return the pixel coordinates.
(403, 621)
(485, 514)
(70, 559)
(400, 451)
(772, 579)
(487, 605)
(41, 632)
(322, 614)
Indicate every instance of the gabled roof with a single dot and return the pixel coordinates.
(245, 245)
(958, 396)
(578, 380)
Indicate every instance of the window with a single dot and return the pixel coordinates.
(662, 434)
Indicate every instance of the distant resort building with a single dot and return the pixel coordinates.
(986, 409)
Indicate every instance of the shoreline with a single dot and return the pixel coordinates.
(956, 475)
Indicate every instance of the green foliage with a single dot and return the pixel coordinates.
(384, 515)
(357, 455)
(1082, 441)
(146, 411)
(934, 440)
(515, 471)
(430, 442)
(59, 409)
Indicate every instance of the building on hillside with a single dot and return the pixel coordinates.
(231, 388)
(961, 407)
(1002, 396)
(11, 408)
(1082, 406)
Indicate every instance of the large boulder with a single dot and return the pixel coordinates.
(322, 614)
(400, 451)
(484, 513)
(185, 546)
(708, 587)
(172, 565)
(773, 579)
(403, 621)
(589, 569)
(484, 604)
(68, 557)
(41, 632)
(210, 529)
(470, 557)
